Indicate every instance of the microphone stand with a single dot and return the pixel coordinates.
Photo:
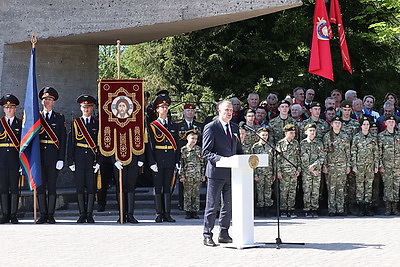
(278, 240)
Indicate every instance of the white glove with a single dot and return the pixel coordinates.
(20, 170)
(118, 164)
(59, 165)
(178, 167)
(140, 163)
(72, 167)
(96, 167)
(154, 168)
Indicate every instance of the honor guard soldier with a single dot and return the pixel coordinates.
(10, 135)
(82, 156)
(163, 139)
(52, 152)
(187, 123)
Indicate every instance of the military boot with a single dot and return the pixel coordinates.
(52, 208)
(158, 203)
(131, 208)
(368, 210)
(81, 207)
(194, 215)
(90, 205)
(388, 208)
(4, 207)
(395, 208)
(14, 208)
(167, 205)
(361, 209)
(42, 208)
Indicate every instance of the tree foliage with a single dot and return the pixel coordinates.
(269, 53)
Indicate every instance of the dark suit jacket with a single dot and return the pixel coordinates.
(216, 145)
(50, 154)
(9, 156)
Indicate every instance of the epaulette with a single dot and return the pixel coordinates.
(180, 121)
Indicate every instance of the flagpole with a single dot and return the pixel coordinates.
(121, 203)
(34, 41)
(119, 59)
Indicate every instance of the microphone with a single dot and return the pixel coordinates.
(245, 126)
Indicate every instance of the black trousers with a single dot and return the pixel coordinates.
(49, 180)
(84, 178)
(9, 181)
(162, 180)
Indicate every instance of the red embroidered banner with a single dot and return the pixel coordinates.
(121, 117)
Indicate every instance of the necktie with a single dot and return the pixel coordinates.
(47, 116)
(9, 122)
(87, 121)
(228, 133)
(190, 125)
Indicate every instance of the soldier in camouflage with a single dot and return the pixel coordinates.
(350, 126)
(312, 155)
(365, 162)
(250, 137)
(322, 125)
(263, 176)
(278, 123)
(288, 167)
(337, 166)
(192, 174)
(389, 148)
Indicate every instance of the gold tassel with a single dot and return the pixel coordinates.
(99, 180)
(21, 181)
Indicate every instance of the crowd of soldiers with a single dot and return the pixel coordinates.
(342, 147)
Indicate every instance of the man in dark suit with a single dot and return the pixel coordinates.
(220, 139)
(10, 135)
(53, 139)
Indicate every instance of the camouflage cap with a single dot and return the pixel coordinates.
(315, 104)
(289, 127)
(191, 131)
(310, 125)
(337, 118)
(263, 129)
(374, 125)
(346, 104)
(284, 102)
(361, 121)
(390, 118)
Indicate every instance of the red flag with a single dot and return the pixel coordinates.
(336, 17)
(321, 59)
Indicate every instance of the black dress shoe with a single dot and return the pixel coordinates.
(89, 218)
(168, 218)
(209, 242)
(42, 219)
(50, 219)
(81, 219)
(13, 219)
(159, 218)
(195, 216)
(131, 219)
(224, 239)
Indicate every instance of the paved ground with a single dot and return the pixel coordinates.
(328, 241)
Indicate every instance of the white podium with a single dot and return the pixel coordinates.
(243, 197)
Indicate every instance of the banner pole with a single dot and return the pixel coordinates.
(119, 59)
(121, 204)
(34, 205)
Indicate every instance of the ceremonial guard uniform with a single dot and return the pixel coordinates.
(165, 152)
(52, 152)
(182, 126)
(10, 135)
(82, 156)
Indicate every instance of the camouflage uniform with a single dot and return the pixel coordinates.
(337, 161)
(311, 154)
(389, 148)
(365, 157)
(250, 139)
(350, 127)
(276, 126)
(322, 128)
(192, 170)
(264, 185)
(288, 183)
